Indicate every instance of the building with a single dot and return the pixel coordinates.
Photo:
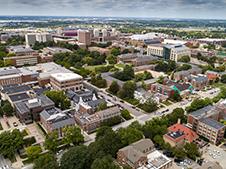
(211, 129)
(135, 59)
(205, 122)
(90, 121)
(55, 50)
(198, 81)
(45, 70)
(212, 75)
(142, 155)
(178, 134)
(28, 110)
(181, 75)
(12, 75)
(175, 52)
(162, 89)
(155, 50)
(21, 50)
(84, 37)
(31, 38)
(66, 81)
(22, 60)
(53, 119)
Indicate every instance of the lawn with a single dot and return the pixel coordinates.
(218, 85)
(167, 103)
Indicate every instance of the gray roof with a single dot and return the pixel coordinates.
(200, 113)
(57, 118)
(86, 95)
(9, 71)
(19, 97)
(212, 123)
(10, 89)
(135, 151)
(108, 111)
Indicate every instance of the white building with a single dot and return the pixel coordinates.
(66, 81)
(31, 38)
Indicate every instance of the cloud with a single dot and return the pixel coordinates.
(148, 8)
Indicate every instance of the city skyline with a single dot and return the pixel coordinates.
(197, 9)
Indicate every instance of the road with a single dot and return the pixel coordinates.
(139, 115)
(5, 163)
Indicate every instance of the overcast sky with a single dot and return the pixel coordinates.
(209, 9)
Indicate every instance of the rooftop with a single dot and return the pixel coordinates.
(203, 112)
(177, 130)
(212, 123)
(10, 89)
(61, 77)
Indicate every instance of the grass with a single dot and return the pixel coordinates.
(218, 85)
(167, 103)
(132, 101)
(92, 68)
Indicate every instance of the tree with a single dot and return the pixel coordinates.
(104, 163)
(127, 90)
(7, 108)
(198, 104)
(184, 59)
(176, 96)
(98, 81)
(184, 67)
(177, 113)
(59, 98)
(126, 114)
(223, 78)
(102, 106)
(114, 88)
(46, 161)
(10, 142)
(51, 142)
(191, 150)
(179, 153)
(33, 152)
(149, 106)
(115, 51)
(129, 135)
(111, 59)
(73, 135)
(76, 157)
(160, 80)
(126, 74)
(158, 140)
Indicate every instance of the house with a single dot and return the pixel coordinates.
(199, 81)
(142, 155)
(181, 75)
(53, 119)
(178, 134)
(135, 155)
(89, 121)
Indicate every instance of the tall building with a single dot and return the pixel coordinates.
(31, 38)
(84, 37)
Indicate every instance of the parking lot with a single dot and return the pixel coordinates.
(215, 154)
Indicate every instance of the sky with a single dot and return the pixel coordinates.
(200, 9)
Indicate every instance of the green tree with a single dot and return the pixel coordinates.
(33, 152)
(75, 158)
(102, 106)
(46, 161)
(223, 78)
(10, 142)
(191, 150)
(198, 104)
(149, 106)
(59, 98)
(129, 135)
(111, 59)
(185, 59)
(126, 114)
(127, 90)
(73, 135)
(115, 51)
(114, 88)
(175, 96)
(7, 109)
(179, 153)
(158, 140)
(52, 142)
(104, 163)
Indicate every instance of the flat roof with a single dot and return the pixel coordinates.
(212, 123)
(201, 112)
(156, 160)
(61, 77)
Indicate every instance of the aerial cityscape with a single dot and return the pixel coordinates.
(109, 84)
